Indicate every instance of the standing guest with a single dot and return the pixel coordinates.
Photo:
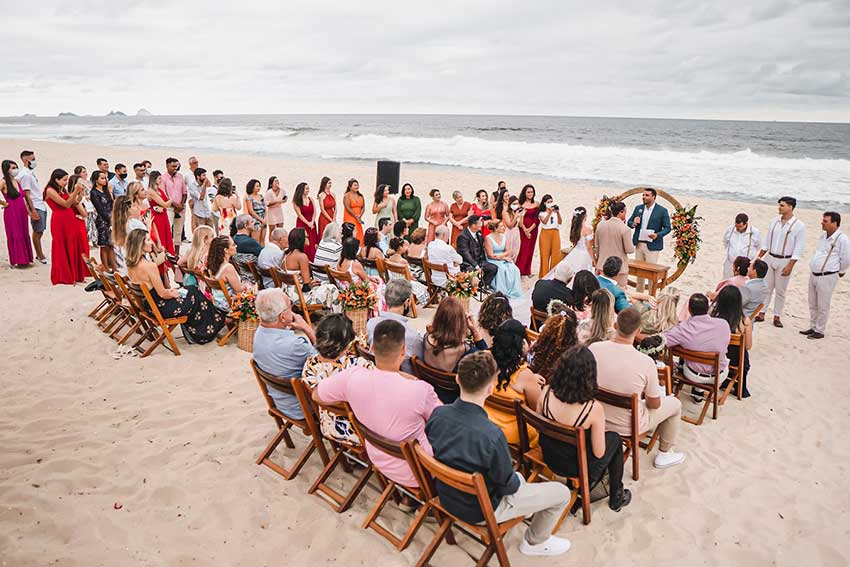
(584, 284)
(557, 288)
(445, 341)
(510, 216)
(418, 248)
(651, 223)
(199, 187)
(495, 310)
(436, 213)
(118, 182)
(440, 252)
(277, 349)
(529, 223)
(328, 250)
(495, 197)
(256, 207)
(103, 165)
(175, 187)
(397, 297)
(557, 337)
(384, 207)
(295, 261)
(464, 438)
(481, 209)
(704, 333)
(35, 201)
(193, 165)
(84, 215)
(275, 198)
(271, 256)
(102, 199)
(784, 247)
(754, 290)
(195, 260)
(219, 267)
(459, 215)
(327, 204)
(16, 210)
(385, 228)
(387, 402)
(729, 307)
(91, 216)
(409, 208)
(740, 239)
(353, 205)
(245, 243)
(507, 279)
(398, 247)
(569, 399)
(624, 370)
(550, 234)
(613, 238)
(160, 204)
(470, 247)
(69, 238)
(140, 171)
(225, 205)
(830, 262)
(600, 325)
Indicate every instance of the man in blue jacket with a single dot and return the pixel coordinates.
(651, 223)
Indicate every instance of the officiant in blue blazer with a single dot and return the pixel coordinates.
(651, 223)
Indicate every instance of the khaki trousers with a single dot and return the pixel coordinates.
(546, 500)
(666, 418)
(550, 250)
(202, 221)
(775, 281)
(820, 296)
(177, 219)
(644, 254)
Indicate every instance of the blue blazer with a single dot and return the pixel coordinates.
(659, 221)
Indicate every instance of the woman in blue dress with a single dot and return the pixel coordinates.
(507, 279)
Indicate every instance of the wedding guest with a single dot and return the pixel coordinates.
(436, 213)
(398, 247)
(245, 243)
(740, 239)
(557, 288)
(102, 200)
(740, 269)
(829, 262)
(729, 307)
(495, 310)
(219, 267)
(651, 223)
(507, 278)
(459, 215)
(354, 204)
(550, 235)
(400, 230)
(481, 209)
(91, 214)
(754, 290)
(103, 166)
(140, 171)
(584, 284)
(370, 249)
(557, 337)
(470, 247)
(418, 246)
(701, 332)
(296, 261)
(271, 256)
(600, 325)
(445, 341)
(328, 250)
(175, 188)
(385, 228)
(384, 206)
(610, 270)
(199, 188)
(440, 252)
(784, 247)
(348, 262)
(511, 216)
(613, 238)
(118, 182)
(464, 438)
(255, 206)
(225, 205)
(327, 204)
(195, 260)
(34, 194)
(397, 298)
(305, 213)
(409, 208)
(528, 225)
(275, 198)
(16, 209)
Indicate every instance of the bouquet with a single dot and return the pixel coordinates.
(358, 296)
(601, 210)
(242, 307)
(685, 225)
(462, 284)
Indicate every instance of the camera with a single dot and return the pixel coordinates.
(556, 208)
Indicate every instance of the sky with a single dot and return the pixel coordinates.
(757, 60)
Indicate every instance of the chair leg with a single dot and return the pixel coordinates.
(166, 330)
(343, 503)
(635, 463)
(223, 340)
(157, 341)
(435, 543)
(585, 504)
(101, 305)
(265, 457)
(133, 329)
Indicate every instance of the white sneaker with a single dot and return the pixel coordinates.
(42, 260)
(666, 459)
(552, 546)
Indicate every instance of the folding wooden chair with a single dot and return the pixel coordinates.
(364, 352)
(631, 442)
(284, 423)
(369, 265)
(144, 324)
(215, 283)
(125, 308)
(491, 535)
(533, 457)
(337, 276)
(444, 383)
(506, 406)
(259, 275)
(531, 336)
(538, 318)
(283, 278)
(434, 291)
(736, 368)
(711, 389)
(158, 328)
(381, 264)
(404, 272)
(108, 302)
(665, 378)
(757, 311)
(319, 269)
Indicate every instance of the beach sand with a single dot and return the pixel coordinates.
(151, 462)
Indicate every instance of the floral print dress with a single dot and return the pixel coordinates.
(315, 370)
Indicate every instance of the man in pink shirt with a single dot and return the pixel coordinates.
(175, 189)
(389, 403)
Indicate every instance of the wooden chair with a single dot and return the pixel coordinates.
(240, 262)
(506, 406)
(434, 291)
(736, 368)
(400, 270)
(283, 278)
(336, 276)
(108, 302)
(159, 328)
(538, 318)
(284, 423)
(320, 269)
(631, 442)
(369, 265)
(217, 283)
(259, 275)
(125, 306)
(679, 380)
(381, 266)
(665, 378)
(491, 535)
(144, 324)
(757, 311)
(531, 336)
(579, 485)
(364, 352)
(444, 383)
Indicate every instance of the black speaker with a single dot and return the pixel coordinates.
(388, 174)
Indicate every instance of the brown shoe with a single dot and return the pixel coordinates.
(777, 322)
(760, 318)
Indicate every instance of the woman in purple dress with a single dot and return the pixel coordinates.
(16, 212)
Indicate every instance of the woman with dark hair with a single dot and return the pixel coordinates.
(275, 198)
(481, 208)
(729, 306)
(91, 229)
(255, 206)
(219, 267)
(306, 217)
(528, 226)
(445, 341)
(334, 335)
(417, 248)
(495, 310)
(68, 231)
(295, 261)
(399, 247)
(740, 268)
(408, 208)
(516, 381)
(569, 400)
(353, 205)
(581, 257)
(509, 206)
(327, 204)
(584, 284)
(436, 214)
(160, 203)
(102, 199)
(348, 262)
(384, 207)
(550, 235)
(559, 335)
(225, 205)
(16, 211)
(370, 250)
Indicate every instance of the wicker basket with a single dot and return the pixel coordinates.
(358, 320)
(245, 335)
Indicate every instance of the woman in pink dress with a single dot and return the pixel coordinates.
(275, 198)
(436, 214)
(305, 213)
(528, 227)
(16, 212)
(327, 205)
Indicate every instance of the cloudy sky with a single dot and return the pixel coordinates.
(762, 59)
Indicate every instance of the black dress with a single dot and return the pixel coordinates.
(204, 322)
(102, 201)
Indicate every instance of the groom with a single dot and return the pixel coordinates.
(470, 246)
(651, 223)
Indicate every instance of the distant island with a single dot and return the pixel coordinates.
(143, 112)
(116, 113)
(67, 114)
(28, 115)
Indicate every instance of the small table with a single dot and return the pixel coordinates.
(655, 273)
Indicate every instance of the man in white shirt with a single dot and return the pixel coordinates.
(193, 165)
(29, 183)
(140, 170)
(782, 248)
(830, 262)
(740, 239)
(198, 188)
(441, 252)
(385, 228)
(272, 254)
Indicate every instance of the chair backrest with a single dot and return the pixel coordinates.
(699, 357)
(319, 269)
(437, 378)
(219, 284)
(110, 284)
(283, 385)
(291, 279)
(388, 446)
(574, 436)
(150, 303)
(369, 264)
(414, 261)
(363, 352)
(737, 339)
(531, 336)
(431, 267)
(240, 262)
(137, 305)
(400, 269)
(623, 401)
(501, 404)
(757, 311)
(538, 318)
(337, 276)
(260, 273)
(381, 264)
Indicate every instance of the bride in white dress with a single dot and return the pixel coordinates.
(581, 236)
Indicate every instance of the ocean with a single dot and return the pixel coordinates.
(752, 161)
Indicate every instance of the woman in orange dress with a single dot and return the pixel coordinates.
(436, 213)
(354, 203)
(327, 205)
(460, 215)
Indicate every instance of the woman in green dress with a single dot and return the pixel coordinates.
(409, 208)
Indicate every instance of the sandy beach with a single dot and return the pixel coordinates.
(151, 462)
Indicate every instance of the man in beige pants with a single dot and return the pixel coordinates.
(613, 238)
(830, 262)
(651, 223)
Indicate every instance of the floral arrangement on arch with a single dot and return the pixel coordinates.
(358, 296)
(601, 210)
(462, 284)
(685, 225)
(242, 306)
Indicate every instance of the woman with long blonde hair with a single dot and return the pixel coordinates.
(195, 260)
(600, 325)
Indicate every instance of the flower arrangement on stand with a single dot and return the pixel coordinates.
(244, 311)
(601, 210)
(357, 300)
(685, 226)
(462, 286)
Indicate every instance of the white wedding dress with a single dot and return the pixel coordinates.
(578, 259)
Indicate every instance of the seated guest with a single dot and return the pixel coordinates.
(245, 243)
(385, 228)
(610, 270)
(400, 230)
(348, 262)
(397, 298)
(701, 332)
(600, 325)
(195, 260)
(296, 261)
(495, 310)
(346, 231)
(470, 246)
(557, 337)
(445, 341)
(622, 369)
(398, 250)
(569, 400)
(729, 307)
(754, 291)
(440, 252)
(556, 288)
(498, 253)
(516, 380)
(417, 248)
(370, 249)
(388, 403)
(334, 335)
(277, 349)
(272, 254)
(328, 250)
(740, 267)
(464, 438)
(219, 267)
(584, 284)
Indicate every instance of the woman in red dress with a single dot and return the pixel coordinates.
(528, 227)
(327, 205)
(481, 208)
(160, 203)
(67, 227)
(306, 215)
